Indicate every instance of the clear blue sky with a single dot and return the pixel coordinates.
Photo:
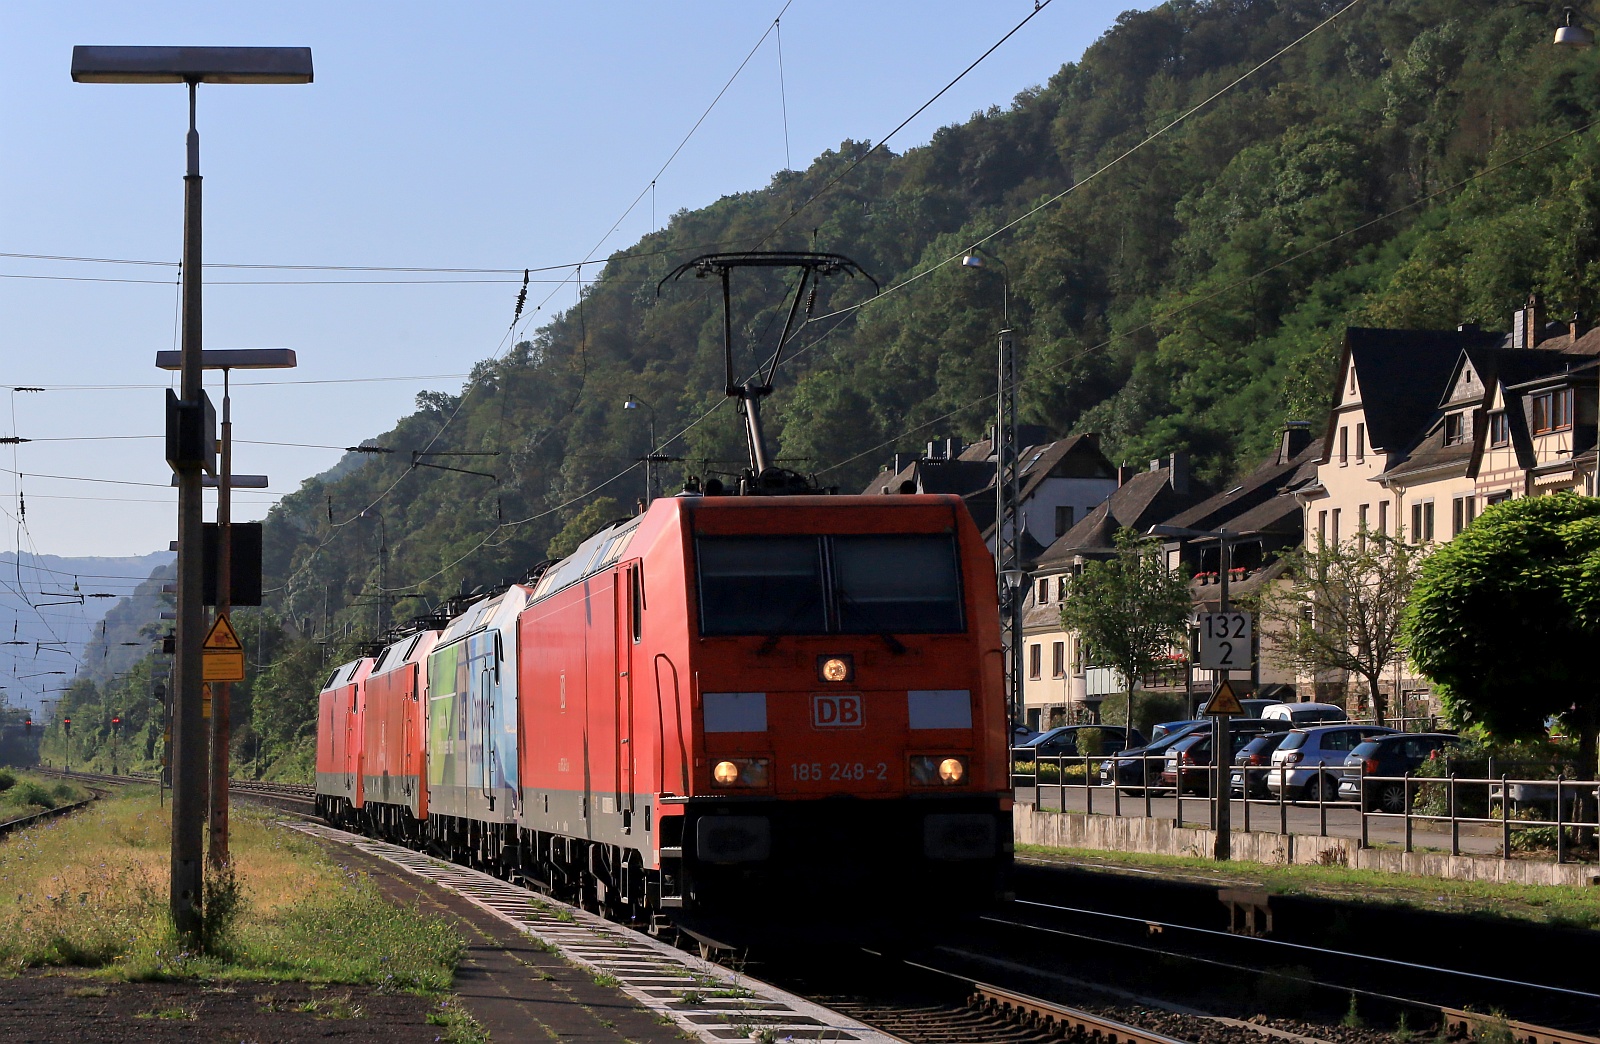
(503, 135)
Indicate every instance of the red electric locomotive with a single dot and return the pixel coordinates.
(740, 708)
(339, 736)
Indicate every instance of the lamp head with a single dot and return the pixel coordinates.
(1573, 35)
(631, 403)
(972, 261)
(1013, 578)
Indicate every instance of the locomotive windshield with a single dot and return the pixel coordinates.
(891, 584)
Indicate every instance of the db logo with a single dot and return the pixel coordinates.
(836, 710)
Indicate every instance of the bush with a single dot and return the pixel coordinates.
(31, 793)
(7, 780)
(1149, 710)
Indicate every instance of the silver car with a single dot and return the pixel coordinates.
(1309, 762)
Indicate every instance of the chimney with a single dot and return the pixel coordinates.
(1527, 325)
(1124, 473)
(897, 463)
(1576, 327)
(1178, 471)
(932, 453)
(952, 448)
(1296, 437)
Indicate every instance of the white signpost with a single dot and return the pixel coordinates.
(1225, 641)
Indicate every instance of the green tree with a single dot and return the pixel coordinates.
(1129, 610)
(583, 525)
(1506, 617)
(1343, 610)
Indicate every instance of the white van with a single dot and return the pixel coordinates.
(1302, 714)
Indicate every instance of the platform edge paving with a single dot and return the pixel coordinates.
(654, 974)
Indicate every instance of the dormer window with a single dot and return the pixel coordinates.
(1552, 411)
(1455, 429)
(1499, 429)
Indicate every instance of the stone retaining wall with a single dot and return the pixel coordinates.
(1161, 837)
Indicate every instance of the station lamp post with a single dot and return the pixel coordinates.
(226, 359)
(190, 440)
(633, 402)
(1007, 489)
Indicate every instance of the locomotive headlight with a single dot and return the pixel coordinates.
(836, 668)
(930, 770)
(741, 772)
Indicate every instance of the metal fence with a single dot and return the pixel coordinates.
(1555, 817)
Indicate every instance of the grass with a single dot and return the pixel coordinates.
(90, 891)
(458, 1024)
(22, 794)
(1556, 905)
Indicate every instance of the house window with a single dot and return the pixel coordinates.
(1063, 520)
(1462, 511)
(1454, 429)
(1552, 411)
(1035, 651)
(1044, 592)
(1352, 378)
(1499, 428)
(1499, 496)
(1361, 442)
(1361, 525)
(1383, 517)
(1322, 527)
(1344, 446)
(1422, 522)
(1336, 512)
(1058, 659)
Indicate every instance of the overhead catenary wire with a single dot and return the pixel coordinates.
(510, 335)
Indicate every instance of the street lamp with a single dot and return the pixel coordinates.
(226, 360)
(1007, 481)
(190, 445)
(633, 402)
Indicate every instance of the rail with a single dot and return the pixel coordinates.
(1468, 814)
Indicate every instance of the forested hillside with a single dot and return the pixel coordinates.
(1410, 163)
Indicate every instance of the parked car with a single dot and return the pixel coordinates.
(1305, 713)
(1252, 707)
(1389, 756)
(1167, 728)
(1309, 762)
(1190, 758)
(1256, 756)
(1063, 741)
(1138, 767)
(1021, 734)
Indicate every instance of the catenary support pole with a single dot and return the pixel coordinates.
(188, 728)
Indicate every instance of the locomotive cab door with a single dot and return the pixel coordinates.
(630, 604)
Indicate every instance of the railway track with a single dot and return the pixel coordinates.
(941, 997)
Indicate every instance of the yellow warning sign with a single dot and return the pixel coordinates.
(223, 665)
(1224, 701)
(205, 702)
(222, 636)
(222, 653)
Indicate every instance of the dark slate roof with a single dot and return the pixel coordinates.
(1433, 457)
(1141, 502)
(1258, 502)
(1401, 373)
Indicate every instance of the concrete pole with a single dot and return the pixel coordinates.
(188, 728)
